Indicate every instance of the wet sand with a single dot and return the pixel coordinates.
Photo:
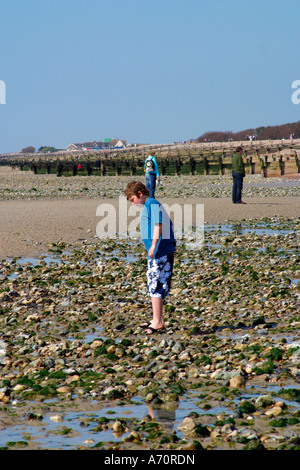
(28, 227)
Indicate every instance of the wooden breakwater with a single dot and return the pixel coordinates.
(274, 158)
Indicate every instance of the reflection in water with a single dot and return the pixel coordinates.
(165, 417)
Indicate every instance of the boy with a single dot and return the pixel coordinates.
(158, 237)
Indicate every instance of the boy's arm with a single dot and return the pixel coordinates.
(157, 231)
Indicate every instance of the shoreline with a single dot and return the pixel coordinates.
(39, 210)
(30, 227)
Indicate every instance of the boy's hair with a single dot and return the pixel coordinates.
(134, 187)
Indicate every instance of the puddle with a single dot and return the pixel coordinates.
(47, 259)
(78, 428)
(37, 261)
(260, 229)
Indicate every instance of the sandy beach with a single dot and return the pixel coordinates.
(29, 227)
(38, 210)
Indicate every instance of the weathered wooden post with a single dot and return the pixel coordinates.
(297, 161)
(192, 166)
(206, 166)
(34, 168)
(59, 168)
(74, 168)
(221, 166)
(119, 168)
(252, 165)
(264, 166)
(103, 169)
(89, 168)
(163, 165)
(281, 165)
(132, 167)
(178, 164)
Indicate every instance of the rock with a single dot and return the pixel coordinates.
(114, 392)
(4, 398)
(56, 418)
(263, 401)
(73, 378)
(193, 372)
(111, 349)
(96, 344)
(295, 358)
(238, 381)
(187, 426)
(19, 387)
(118, 427)
(274, 411)
(134, 436)
(64, 389)
(178, 347)
(275, 438)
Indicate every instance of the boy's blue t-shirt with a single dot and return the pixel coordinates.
(154, 213)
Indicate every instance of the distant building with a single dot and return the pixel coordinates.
(106, 144)
(119, 144)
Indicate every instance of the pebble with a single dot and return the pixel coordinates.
(274, 411)
(26, 185)
(56, 418)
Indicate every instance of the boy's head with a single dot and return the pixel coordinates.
(136, 188)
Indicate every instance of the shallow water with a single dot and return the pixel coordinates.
(77, 428)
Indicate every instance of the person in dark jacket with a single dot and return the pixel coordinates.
(238, 174)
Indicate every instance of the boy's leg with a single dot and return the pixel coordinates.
(159, 276)
(157, 308)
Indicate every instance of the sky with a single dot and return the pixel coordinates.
(146, 71)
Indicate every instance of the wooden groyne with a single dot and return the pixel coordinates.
(275, 158)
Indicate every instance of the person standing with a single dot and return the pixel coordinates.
(238, 174)
(158, 237)
(151, 174)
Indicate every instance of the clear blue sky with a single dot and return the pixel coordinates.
(150, 71)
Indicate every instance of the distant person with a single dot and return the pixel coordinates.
(238, 174)
(151, 174)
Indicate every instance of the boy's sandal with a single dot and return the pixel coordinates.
(145, 325)
(153, 330)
